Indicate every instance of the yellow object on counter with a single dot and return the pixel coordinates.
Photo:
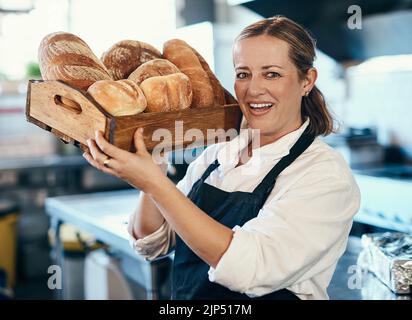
(8, 240)
(74, 239)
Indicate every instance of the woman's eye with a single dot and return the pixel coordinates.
(272, 75)
(241, 75)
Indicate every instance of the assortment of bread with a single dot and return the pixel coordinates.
(132, 76)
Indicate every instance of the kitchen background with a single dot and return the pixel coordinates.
(365, 74)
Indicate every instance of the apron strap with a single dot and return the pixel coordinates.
(209, 169)
(267, 184)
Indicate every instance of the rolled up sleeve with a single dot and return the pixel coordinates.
(292, 238)
(155, 244)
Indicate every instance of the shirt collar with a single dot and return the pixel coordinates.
(228, 156)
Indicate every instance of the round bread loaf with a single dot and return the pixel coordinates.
(181, 54)
(64, 56)
(167, 93)
(119, 98)
(125, 56)
(153, 68)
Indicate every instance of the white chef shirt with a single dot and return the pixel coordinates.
(298, 235)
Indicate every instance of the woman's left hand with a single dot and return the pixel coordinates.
(138, 169)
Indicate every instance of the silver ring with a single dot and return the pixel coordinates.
(106, 162)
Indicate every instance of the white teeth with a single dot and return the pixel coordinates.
(260, 105)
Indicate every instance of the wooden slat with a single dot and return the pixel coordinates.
(175, 128)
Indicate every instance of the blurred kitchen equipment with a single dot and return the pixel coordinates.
(5, 292)
(386, 197)
(359, 146)
(104, 279)
(389, 256)
(379, 95)
(12, 6)
(76, 245)
(18, 138)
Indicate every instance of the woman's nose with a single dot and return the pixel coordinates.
(256, 87)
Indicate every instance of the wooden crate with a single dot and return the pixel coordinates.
(73, 116)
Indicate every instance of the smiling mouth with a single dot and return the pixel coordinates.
(259, 108)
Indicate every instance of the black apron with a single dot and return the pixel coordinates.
(190, 273)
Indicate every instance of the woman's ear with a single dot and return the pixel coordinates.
(309, 81)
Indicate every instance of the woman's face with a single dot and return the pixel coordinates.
(268, 87)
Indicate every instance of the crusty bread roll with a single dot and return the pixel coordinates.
(125, 56)
(153, 68)
(181, 54)
(64, 56)
(119, 98)
(167, 93)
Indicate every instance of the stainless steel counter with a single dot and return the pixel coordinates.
(105, 215)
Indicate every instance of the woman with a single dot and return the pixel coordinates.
(247, 222)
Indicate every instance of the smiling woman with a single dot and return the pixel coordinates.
(271, 225)
(273, 60)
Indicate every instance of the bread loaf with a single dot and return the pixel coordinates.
(167, 93)
(153, 68)
(64, 56)
(119, 98)
(181, 54)
(218, 90)
(125, 56)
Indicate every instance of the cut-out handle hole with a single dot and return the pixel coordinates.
(67, 104)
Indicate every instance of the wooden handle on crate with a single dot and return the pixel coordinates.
(65, 110)
(67, 103)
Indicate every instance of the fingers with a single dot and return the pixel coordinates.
(99, 166)
(95, 151)
(107, 147)
(139, 142)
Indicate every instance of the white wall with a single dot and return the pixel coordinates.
(380, 95)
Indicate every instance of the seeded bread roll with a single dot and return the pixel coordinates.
(167, 93)
(64, 56)
(125, 56)
(119, 98)
(181, 54)
(153, 68)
